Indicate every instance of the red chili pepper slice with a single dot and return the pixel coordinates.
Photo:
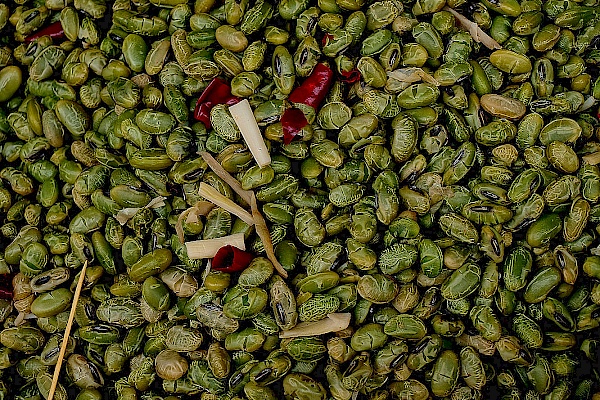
(231, 259)
(313, 90)
(326, 38)
(6, 288)
(350, 76)
(54, 30)
(292, 121)
(217, 92)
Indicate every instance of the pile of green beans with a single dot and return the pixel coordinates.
(446, 194)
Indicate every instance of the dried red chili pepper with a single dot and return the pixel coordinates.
(54, 30)
(311, 92)
(6, 288)
(326, 38)
(231, 259)
(217, 92)
(350, 76)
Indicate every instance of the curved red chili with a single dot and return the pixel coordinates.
(6, 288)
(217, 92)
(231, 259)
(54, 30)
(313, 90)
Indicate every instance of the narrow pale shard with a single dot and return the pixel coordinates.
(332, 323)
(208, 248)
(244, 118)
(211, 194)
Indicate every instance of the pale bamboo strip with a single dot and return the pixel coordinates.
(63, 346)
(214, 196)
(476, 32)
(191, 216)
(244, 118)
(248, 196)
(126, 214)
(333, 323)
(263, 232)
(226, 176)
(208, 248)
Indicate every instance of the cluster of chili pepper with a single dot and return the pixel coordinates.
(311, 92)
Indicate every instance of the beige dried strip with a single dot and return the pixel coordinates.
(191, 215)
(214, 196)
(126, 214)
(63, 346)
(226, 176)
(587, 104)
(411, 75)
(263, 233)
(207, 248)
(244, 118)
(119, 109)
(207, 270)
(332, 323)
(203, 208)
(476, 32)
(20, 319)
(592, 159)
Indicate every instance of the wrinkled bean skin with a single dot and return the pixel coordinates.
(445, 373)
(10, 80)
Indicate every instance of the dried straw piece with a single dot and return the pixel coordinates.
(244, 118)
(63, 346)
(476, 32)
(412, 74)
(126, 214)
(265, 236)
(333, 323)
(587, 104)
(592, 159)
(214, 196)
(191, 215)
(230, 180)
(208, 248)
(119, 109)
